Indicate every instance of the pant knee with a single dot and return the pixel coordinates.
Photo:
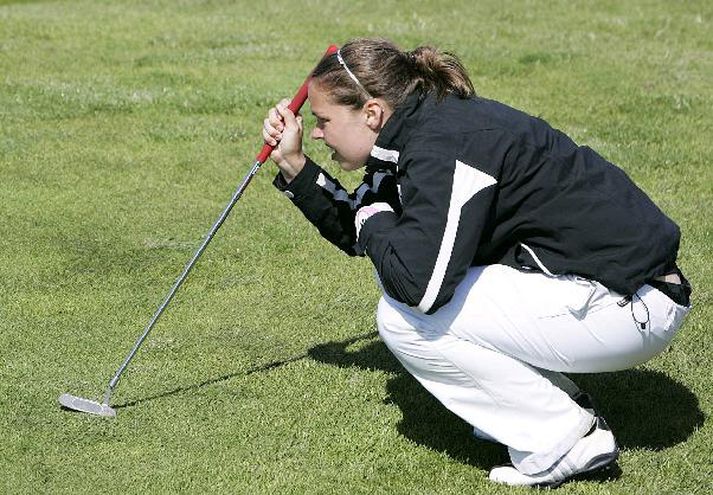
(400, 330)
(387, 322)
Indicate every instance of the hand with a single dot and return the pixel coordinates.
(283, 129)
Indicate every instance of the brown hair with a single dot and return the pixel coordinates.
(384, 71)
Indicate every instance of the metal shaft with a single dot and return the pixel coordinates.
(182, 278)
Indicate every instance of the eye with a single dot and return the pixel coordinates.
(321, 122)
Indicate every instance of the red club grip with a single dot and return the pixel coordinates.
(297, 101)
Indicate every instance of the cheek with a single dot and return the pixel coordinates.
(353, 141)
(364, 142)
(330, 135)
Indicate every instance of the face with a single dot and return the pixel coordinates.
(349, 133)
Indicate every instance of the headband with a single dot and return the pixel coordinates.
(351, 74)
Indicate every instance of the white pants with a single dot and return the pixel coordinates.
(493, 355)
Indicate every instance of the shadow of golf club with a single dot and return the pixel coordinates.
(257, 369)
(213, 381)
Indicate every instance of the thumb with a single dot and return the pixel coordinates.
(298, 119)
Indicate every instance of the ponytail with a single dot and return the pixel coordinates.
(376, 68)
(441, 72)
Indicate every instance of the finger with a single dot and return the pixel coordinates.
(270, 134)
(275, 116)
(268, 139)
(287, 116)
(275, 119)
(269, 128)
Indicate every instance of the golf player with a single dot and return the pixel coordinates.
(506, 253)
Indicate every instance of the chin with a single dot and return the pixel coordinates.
(348, 167)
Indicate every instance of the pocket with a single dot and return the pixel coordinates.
(564, 295)
(678, 313)
(583, 292)
(666, 315)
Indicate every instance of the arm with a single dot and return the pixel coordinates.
(320, 197)
(423, 254)
(330, 208)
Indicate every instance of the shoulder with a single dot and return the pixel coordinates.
(472, 130)
(470, 113)
(454, 120)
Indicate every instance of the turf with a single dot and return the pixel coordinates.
(126, 126)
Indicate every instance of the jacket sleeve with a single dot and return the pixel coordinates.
(330, 208)
(422, 254)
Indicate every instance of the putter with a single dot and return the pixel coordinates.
(103, 408)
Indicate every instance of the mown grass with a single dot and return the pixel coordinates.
(125, 127)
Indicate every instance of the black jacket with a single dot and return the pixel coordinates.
(475, 182)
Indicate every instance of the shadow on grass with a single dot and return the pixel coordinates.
(212, 381)
(646, 409)
(256, 369)
(425, 421)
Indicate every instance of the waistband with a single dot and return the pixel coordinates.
(670, 278)
(674, 286)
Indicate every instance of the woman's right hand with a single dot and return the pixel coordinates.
(283, 130)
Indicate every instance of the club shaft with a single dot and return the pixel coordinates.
(189, 266)
(295, 105)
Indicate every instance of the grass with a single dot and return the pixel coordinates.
(125, 128)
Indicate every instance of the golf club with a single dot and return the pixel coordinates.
(103, 408)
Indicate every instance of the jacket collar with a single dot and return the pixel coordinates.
(395, 133)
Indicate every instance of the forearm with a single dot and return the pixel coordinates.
(323, 201)
(422, 253)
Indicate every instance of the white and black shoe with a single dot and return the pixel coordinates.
(595, 451)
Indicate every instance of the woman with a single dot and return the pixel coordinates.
(506, 253)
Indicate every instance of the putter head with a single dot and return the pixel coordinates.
(86, 406)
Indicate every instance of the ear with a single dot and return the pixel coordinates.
(376, 112)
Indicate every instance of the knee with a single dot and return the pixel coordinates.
(394, 327)
(385, 319)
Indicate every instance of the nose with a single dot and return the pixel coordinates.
(317, 133)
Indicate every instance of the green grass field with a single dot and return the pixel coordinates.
(125, 126)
